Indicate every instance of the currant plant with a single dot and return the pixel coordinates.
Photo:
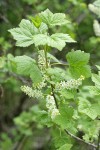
(59, 89)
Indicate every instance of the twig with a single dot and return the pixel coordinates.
(80, 140)
(59, 64)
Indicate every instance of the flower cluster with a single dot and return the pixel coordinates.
(41, 60)
(32, 93)
(50, 104)
(71, 84)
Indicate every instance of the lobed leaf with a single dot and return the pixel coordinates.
(24, 34)
(94, 90)
(96, 79)
(28, 34)
(27, 66)
(43, 28)
(65, 117)
(78, 61)
(98, 67)
(53, 19)
(57, 40)
(86, 108)
(65, 146)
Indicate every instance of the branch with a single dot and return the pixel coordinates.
(56, 63)
(18, 77)
(80, 140)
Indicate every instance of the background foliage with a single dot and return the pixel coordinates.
(21, 126)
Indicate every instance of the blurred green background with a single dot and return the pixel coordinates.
(13, 102)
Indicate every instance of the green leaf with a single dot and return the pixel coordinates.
(6, 143)
(65, 117)
(78, 58)
(53, 19)
(65, 147)
(78, 61)
(51, 57)
(35, 74)
(2, 62)
(27, 66)
(98, 67)
(96, 107)
(24, 34)
(59, 138)
(80, 70)
(86, 108)
(57, 40)
(44, 119)
(43, 28)
(94, 90)
(24, 64)
(57, 74)
(40, 39)
(96, 79)
(68, 94)
(28, 34)
(36, 21)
